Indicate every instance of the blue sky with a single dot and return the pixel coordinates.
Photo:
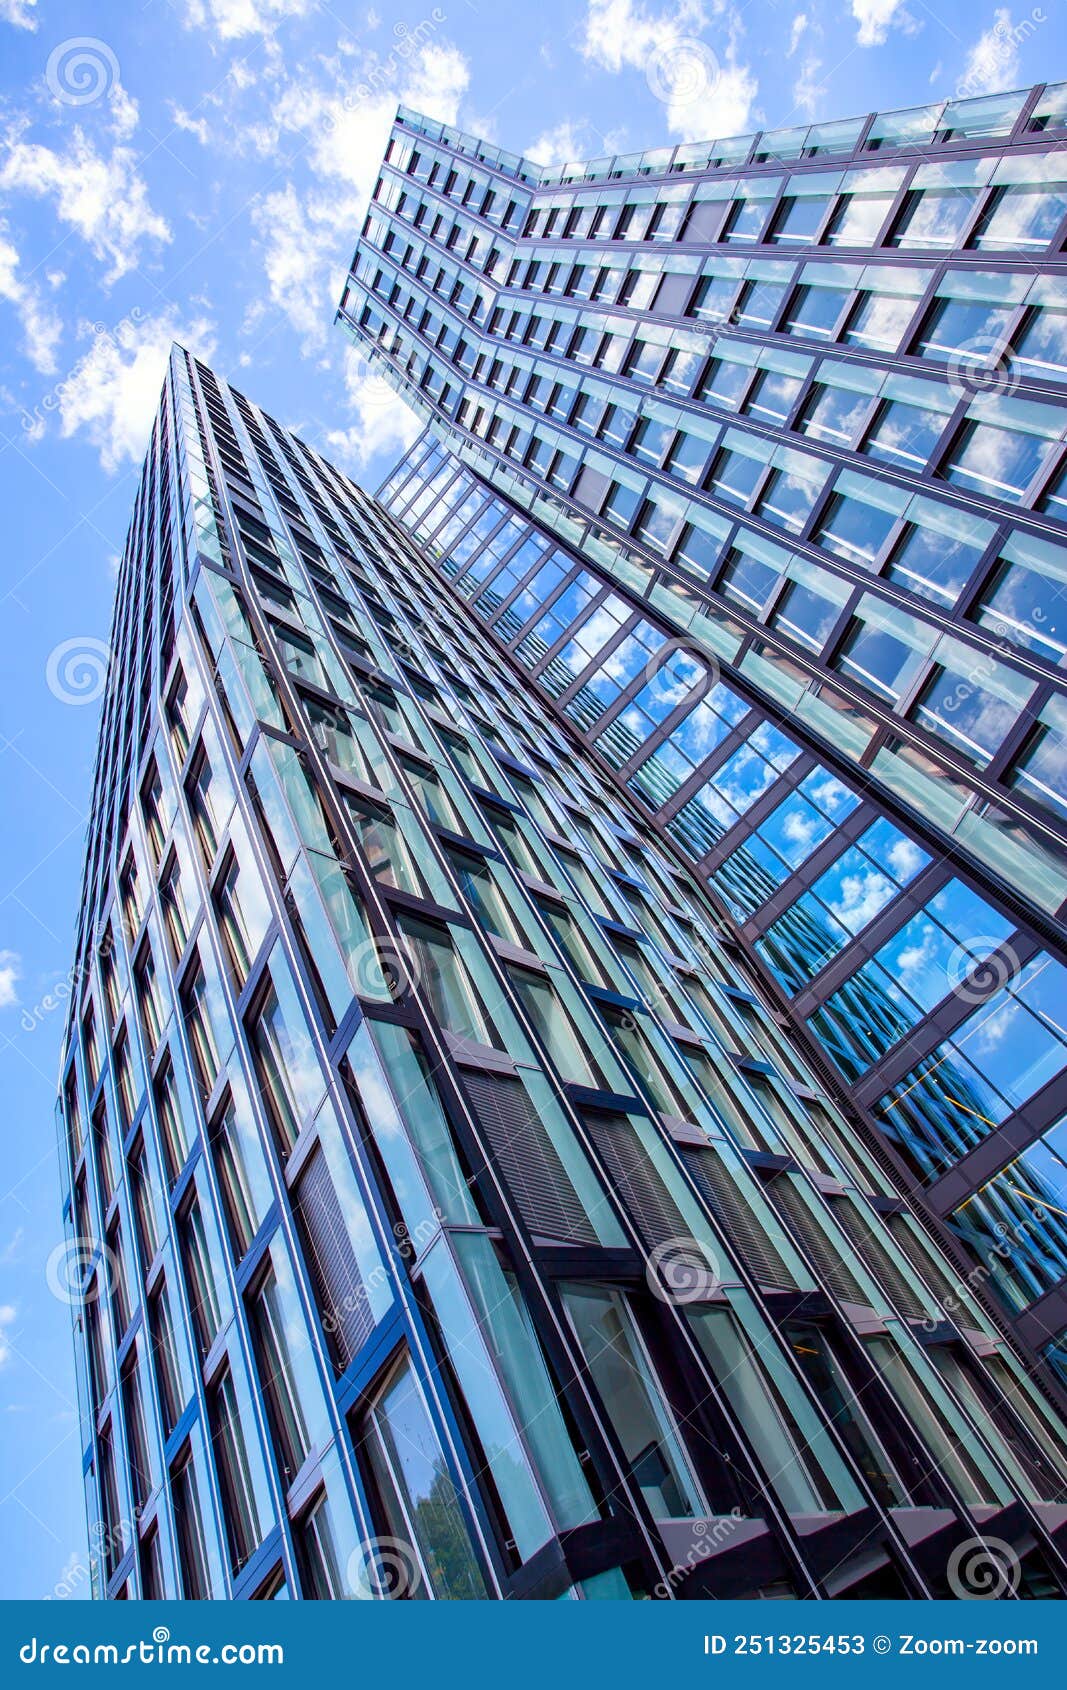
(198, 169)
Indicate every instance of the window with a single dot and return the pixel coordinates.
(883, 649)
(165, 1358)
(430, 794)
(555, 1028)
(111, 1521)
(298, 654)
(243, 912)
(150, 1562)
(974, 326)
(105, 1163)
(175, 912)
(130, 897)
(287, 1065)
(754, 1382)
(125, 1088)
(844, 1406)
(240, 1506)
(276, 1323)
(938, 550)
(242, 1170)
(652, 1451)
(815, 311)
(415, 1495)
(181, 706)
(1039, 347)
(120, 1286)
(647, 1067)
(189, 1529)
(175, 1136)
(905, 434)
(748, 213)
(201, 1259)
(151, 809)
(385, 850)
(484, 893)
(927, 1415)
(144, 1194)
(1022, 599)
(202, 805)
(1022, 217)
(799, 219)
(1040, 772)
(146, 983)
(446, 981)
(352, 1290)
(315, 1541)
(858, 217)
(198, 1024)
(997, 459)
(878, 320)
(971, 701)
(141, 1477)
(935, 217)
(771, 399)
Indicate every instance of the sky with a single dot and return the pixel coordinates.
(198, 169)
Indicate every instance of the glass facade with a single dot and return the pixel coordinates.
(455, 1216)
(749, 455)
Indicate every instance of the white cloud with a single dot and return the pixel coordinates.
(993, 60)
(7, 1319)
(41, 328)
(877, 17)
(124, 111)
(112, 393)
(808, 92)
(860, 898)
(189, 124)
(103, 199)
(21, 13)
(307, 237)
(304, 257)
(800, 24)
(382, 421)
(231, 19)
(10, 973)
(559, 145)
(439, 78)
(707, 93)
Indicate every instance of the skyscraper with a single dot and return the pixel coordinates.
(793, 400)
(451, 1211)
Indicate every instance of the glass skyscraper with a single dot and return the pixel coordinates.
(794, 400)
(469, 1192)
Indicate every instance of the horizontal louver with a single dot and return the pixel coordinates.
(737, 1220)
(825, 1261)
(528, 1160)
(906, 1298)
(635, 1181)
(343, 1304)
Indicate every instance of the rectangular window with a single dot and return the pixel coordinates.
(201, 1260)
(239, 1505)
(275, 1332)
(287, 1066)
(416, 1497)
(655, 1460)
(385, 850)
(446, 981)
(189, 1529)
